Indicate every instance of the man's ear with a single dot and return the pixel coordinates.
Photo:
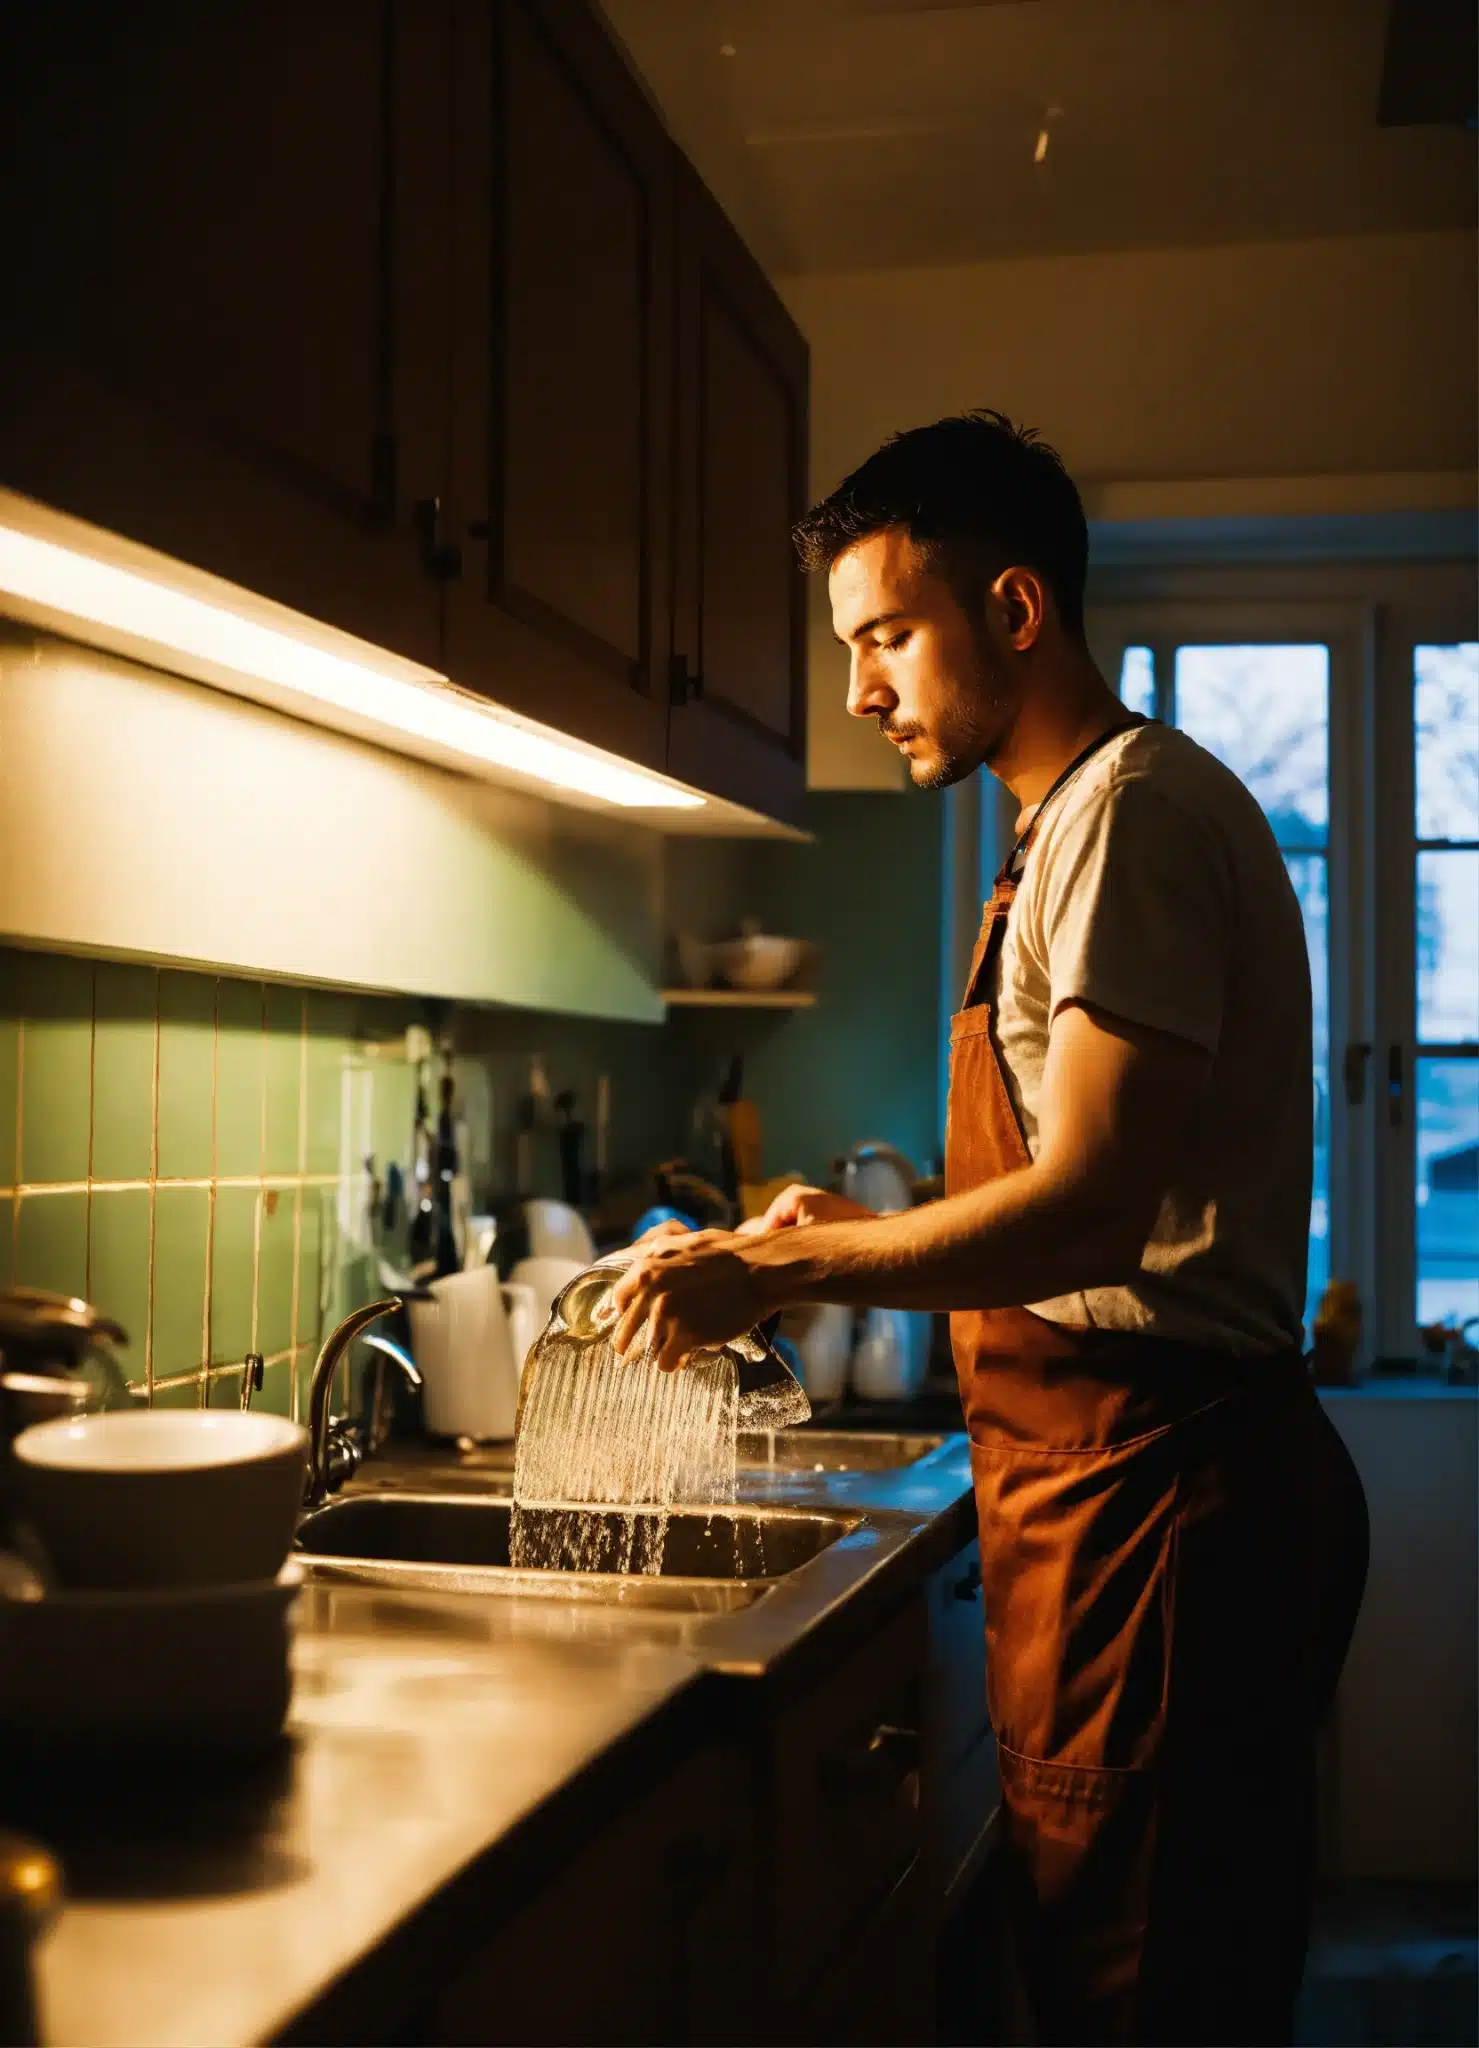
(1023, 598)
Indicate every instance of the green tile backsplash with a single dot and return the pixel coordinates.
(170, 1148)
(187, 1149)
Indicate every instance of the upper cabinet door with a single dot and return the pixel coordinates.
(739, 717)
(561, 460)
(229, 271)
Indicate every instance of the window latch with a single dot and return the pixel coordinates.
(1394, 1085)
(1354, 1071)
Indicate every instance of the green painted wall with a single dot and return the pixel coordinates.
(865, 1062)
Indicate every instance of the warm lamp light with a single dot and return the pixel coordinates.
(89, 592)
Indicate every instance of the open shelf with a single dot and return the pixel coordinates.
(739, 998)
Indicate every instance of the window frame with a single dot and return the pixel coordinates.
(1405, 627)
(1348, 628)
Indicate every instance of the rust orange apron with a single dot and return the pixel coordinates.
(1173, 1550)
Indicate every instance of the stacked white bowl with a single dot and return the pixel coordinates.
(160, 1612)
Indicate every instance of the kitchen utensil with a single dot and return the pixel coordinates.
(547, 1278)
(888, 1363)
(30, 1897)
(482, 1233)
(878, 1176)
(557, 1230)
(524, 1321)
(822, 1333)
(571, 1139)
(695, 960)
(464, 1350)
(770, 1395)
(203, 1668)
(759, 961)
(162, 1497)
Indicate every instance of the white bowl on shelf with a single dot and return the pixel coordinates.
(759, 962)
(158, 1498)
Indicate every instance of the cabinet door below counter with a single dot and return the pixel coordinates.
(561, 447)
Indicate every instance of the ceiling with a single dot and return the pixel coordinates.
(855, 134)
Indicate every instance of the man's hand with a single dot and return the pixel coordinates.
(797, 1206)
(687, 1293)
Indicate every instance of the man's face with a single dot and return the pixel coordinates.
(921, 665)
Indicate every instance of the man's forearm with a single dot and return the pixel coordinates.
(1021, 1238)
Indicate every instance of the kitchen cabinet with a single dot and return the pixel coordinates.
(738, 673)
(638, 1937)
(410, 315)
(561, 476)
(226, 332)
(960, 1782)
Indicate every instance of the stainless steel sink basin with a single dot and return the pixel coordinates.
(712, 1559)
(832, 1450)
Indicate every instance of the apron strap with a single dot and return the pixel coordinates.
(998, 909)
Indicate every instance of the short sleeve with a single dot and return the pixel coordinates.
(1136, 912)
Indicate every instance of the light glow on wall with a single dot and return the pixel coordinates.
(89, 592)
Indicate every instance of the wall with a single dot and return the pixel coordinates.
(863, 1063)
(1292, 378)
(1405, 1734)
(187, 1149)
(184, 824)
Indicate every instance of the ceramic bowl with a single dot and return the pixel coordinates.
(179, 1667)
(162, 1498)
(760, 962)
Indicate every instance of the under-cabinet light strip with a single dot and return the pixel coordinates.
(65, 580)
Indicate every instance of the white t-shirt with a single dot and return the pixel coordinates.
(1155, 890)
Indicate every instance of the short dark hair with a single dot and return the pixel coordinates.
(972, 483)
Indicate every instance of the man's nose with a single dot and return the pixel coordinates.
(868, 695)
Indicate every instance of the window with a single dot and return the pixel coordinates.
(1445, 905)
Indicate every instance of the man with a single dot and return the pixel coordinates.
(1172, 1540)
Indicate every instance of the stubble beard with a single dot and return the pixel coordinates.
(974, 737)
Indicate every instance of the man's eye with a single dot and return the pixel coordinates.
(897, 641)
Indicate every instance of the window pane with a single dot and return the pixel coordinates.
(1447, 948)
(1447, 1190)
(1446, 718)
(1137, 680)
(1307, 873)
(1265, 712)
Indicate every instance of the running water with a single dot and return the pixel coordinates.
(606, 1446)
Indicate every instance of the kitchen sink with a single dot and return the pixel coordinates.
(711, 1559)
(831, 1450)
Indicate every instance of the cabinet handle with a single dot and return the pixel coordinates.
(440, 558)
(968, 1585)
(883, 1765)
(685, 686)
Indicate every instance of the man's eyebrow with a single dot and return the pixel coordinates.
(879, 619)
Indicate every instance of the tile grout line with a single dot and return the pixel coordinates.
(207, 1302)
(301, 1155)
(92, 1125)
(261, 1200)
(153, 1195)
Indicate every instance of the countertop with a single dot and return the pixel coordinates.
(434, 1737)
(424, 1735)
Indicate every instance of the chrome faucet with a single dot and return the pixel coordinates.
(334, 1448)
